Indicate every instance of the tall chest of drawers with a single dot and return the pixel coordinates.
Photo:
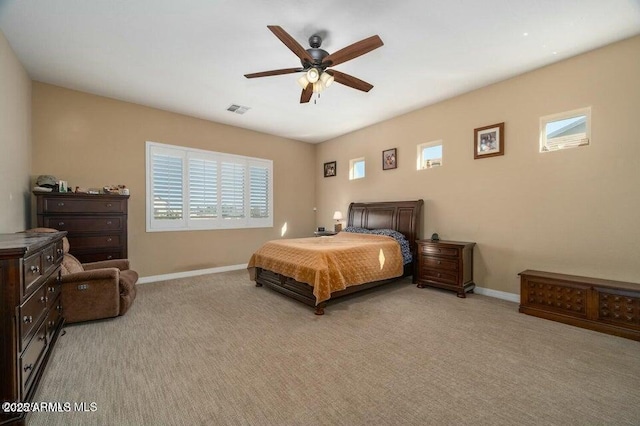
(96, 223)
(446, 264)
(30, 314)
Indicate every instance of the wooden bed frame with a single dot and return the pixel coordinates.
(402, 216)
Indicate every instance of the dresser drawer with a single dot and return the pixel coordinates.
(31, 272)
(54, 317)
(52, 289)
(439, 276)
(49, 259)
(107, 240)
(30, 313)
(59, 250)
(69, 205)
(99, 256)
(440, 251)
(84, 224)
(434, 262)
(32, 356)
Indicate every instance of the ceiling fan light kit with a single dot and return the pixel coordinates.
(315, 63)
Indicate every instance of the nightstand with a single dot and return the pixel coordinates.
(324, 233)
(446, 264)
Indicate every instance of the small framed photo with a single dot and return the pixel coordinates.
(330, 169)
(389, 159)
(489, 141)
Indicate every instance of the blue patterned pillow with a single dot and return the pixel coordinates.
(399, 237)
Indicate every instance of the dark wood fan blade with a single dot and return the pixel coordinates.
(291, 43)
(353, 51)
(274, 72)
(306, 94)
(349, 80)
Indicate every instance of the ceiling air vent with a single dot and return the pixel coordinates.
(238, 109)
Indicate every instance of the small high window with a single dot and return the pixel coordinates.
(429, 155)
(356, 168)
(565, 130)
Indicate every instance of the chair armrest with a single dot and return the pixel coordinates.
(122, 264)
(107, 274)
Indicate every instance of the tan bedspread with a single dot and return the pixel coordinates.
(331, 264)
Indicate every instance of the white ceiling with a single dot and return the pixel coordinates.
(189, 56)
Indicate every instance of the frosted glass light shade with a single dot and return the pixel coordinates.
(326, 79)
(337, 215)
(303, 82)
(318, 87)
(313, 75)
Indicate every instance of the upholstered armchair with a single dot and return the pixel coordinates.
(96, 290)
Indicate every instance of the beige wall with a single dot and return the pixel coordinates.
(575, 211)
(15, 140)
(92, 141)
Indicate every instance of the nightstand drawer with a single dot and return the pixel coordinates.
(439, 251)
(440, 276)
(434, 262)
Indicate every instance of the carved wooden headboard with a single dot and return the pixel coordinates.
(402, 216)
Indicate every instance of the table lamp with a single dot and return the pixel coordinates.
(337, 216)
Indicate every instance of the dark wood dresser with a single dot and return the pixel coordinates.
(96, 224)
(30, 314)
(446, 264)
(607, 306)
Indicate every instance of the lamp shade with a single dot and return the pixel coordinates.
(337, 215)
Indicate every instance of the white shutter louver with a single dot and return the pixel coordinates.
(203, 189)
(232, 190)
(167, 187)
(259, 192)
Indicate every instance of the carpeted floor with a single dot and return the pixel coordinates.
(216, 350)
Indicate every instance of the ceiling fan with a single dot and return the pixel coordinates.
(316, 61)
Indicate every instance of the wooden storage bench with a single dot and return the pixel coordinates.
(602, 305)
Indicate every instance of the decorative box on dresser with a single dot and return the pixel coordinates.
(607, 306)
(445, 264)
(30, 315)
(96, 223)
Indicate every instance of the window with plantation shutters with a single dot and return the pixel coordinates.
(190, 189)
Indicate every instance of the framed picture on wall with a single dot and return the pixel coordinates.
(489, 141)
(330, 169)
(389, 159)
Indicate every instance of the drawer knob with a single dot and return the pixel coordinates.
(59, 251)
(27, 319)
(109, 204)
(52, 289)
(60, 223)
(41, 338)
(43, 299)
(109, 239)
(28, 367)
(60, 204)
(439, 263)
(109, 257)
(50, 258)
(59, 308)
(34, 269)
(109, 222)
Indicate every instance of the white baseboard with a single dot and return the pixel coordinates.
(511, 297)
(186, 274)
